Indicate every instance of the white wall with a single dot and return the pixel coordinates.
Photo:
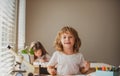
(97, 23)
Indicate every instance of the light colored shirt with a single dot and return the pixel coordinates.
(44, 57)
(67, 64)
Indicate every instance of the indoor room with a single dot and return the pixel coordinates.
(96, 22)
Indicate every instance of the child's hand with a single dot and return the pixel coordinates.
(51, 70)
(86, 67)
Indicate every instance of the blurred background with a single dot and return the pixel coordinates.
(97, 22)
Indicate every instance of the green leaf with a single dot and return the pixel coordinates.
(24, 51)
(31, 52)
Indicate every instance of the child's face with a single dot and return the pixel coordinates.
(67, 40)
(38, 53)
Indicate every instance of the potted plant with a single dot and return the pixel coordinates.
(28, 52)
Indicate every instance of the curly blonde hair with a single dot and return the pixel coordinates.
(58, 45)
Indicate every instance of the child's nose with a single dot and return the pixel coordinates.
(67, 38)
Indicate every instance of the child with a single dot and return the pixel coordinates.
(40, 54)
(68, 59)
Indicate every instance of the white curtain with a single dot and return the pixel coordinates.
(12, 32)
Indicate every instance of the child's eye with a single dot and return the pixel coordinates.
(70, 36)
(64, 37)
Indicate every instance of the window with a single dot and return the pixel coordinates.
(12, 32)
(21, 25)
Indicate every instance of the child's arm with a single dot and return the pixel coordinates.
(44, 58)
(52, 64)
(47, 58)
(51, 70)
(85, 68)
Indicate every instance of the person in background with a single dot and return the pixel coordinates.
(40, 53)
(68, 59)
